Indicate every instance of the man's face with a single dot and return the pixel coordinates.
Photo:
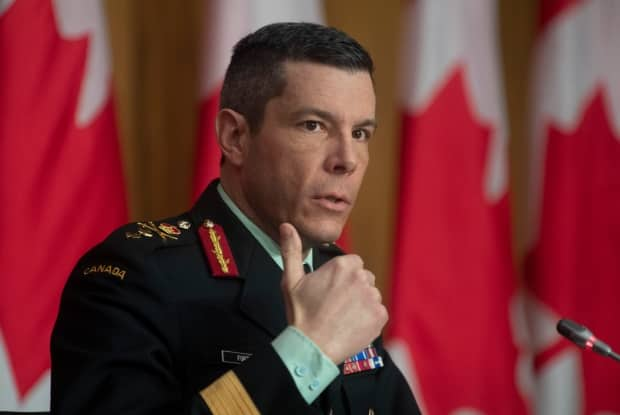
(306, 164)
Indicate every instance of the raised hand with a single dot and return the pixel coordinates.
(337, 306)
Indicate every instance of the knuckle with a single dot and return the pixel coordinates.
(378, 296)
(383, 314)
(360, 275)
(350, 260)
(340, 262)
(356, 260)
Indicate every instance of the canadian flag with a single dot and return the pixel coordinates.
(573, 262)
(61, 183)
(456, 318)
(226, 22)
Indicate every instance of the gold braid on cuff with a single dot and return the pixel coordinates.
(227, 396)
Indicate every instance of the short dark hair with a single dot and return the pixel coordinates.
(256, 70)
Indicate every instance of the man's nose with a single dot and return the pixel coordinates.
(342, 158)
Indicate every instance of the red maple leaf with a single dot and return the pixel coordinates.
(60, 185)
(453, 276)
(551, 9)
(575, 266)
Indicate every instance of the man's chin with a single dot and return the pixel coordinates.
(320, 234)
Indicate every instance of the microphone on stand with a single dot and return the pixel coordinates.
(584, 338)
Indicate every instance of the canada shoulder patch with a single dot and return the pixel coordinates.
(106, 269)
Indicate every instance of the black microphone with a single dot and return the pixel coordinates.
(584, 338)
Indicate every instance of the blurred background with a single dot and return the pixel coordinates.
(488, 212)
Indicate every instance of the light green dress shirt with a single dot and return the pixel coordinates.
(309, 367)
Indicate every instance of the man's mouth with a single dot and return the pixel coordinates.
(333, 202)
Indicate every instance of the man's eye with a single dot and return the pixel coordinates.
(361, 134)
(312, 125)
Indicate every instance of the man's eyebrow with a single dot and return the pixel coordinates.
(370, 122)
(302, 112)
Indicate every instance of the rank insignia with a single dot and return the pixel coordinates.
(149, 229)
(183, 224)
(169, 229)
(367, 359)
(216, 248)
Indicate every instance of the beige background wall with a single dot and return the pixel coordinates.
(155, 46)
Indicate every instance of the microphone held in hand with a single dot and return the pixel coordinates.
(584, 338)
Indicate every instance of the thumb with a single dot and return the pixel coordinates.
(290, 246)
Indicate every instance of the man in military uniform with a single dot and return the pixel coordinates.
(243, 305)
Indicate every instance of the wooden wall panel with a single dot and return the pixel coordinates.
(517, 30)
(155, 52)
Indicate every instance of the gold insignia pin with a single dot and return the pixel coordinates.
(145, 233)
(149, 229)
(183, 224)
(132, 235)
(169, 229)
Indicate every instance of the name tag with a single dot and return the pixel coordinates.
(230, 356)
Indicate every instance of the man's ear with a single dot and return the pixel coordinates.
(233, 134)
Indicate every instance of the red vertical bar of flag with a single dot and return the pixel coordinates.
(225, 23)
(454, 291)
(61, 183)
(573, 261)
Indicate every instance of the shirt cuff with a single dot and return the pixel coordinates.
(309, 367)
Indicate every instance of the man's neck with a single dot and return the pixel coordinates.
(264, 239)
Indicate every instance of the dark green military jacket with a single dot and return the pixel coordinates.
(149, 324)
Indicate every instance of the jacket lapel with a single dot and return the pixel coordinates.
(261, 298)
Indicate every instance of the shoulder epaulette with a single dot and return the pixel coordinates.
(132, 243)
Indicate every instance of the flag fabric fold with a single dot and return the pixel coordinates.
(61, 182)
(573, 262)
(455, 312)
